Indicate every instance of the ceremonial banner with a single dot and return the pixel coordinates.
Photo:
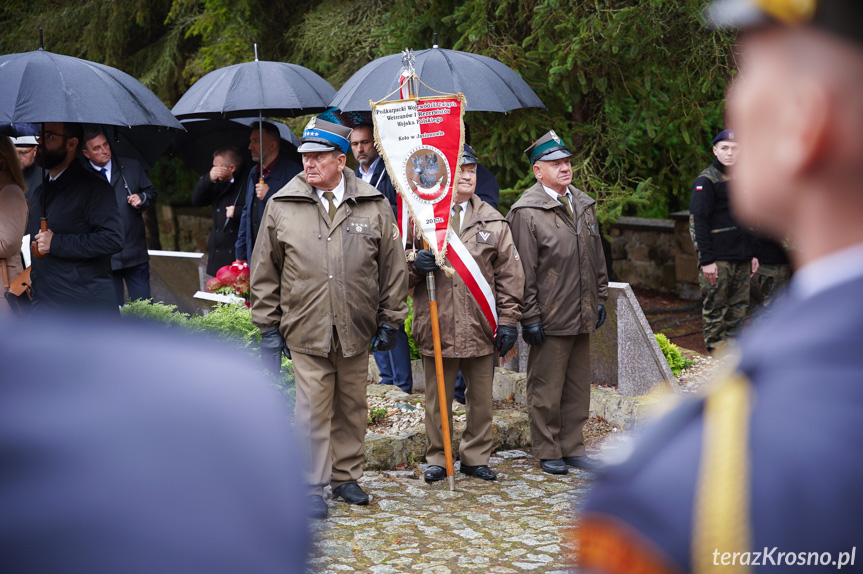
(421, 141)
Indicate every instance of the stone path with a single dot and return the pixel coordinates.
(518, 523)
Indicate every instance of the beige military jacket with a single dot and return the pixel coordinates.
(564, 266)
(465, 332)
(309, 275)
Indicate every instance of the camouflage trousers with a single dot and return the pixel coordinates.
(725, 304)
(769, 281)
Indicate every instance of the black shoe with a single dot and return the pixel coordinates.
(435, 473)
(318, 509)
(553, 466)
(351, 493)
(480, 471)
(584, 463)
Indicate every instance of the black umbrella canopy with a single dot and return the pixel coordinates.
(40, 86)
(242, 90)
(196, 145)
(488, 85)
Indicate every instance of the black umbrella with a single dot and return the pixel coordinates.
(488, 85)
(242, 90)
(40, 86)
(196, 145)
(238, 91)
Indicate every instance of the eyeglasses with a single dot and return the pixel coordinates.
(25, 150)
(51, 135)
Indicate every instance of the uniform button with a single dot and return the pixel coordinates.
(331, 276)
(329, 238)
(327, 315)
(456, 354)
(455, 284)
(456, 320)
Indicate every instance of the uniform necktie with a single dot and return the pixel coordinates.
(456, 219)
(104, 173)
(331, 210)
(565, 202)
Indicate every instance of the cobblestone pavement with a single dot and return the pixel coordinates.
(520, 522)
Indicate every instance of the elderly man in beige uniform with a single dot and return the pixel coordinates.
(329, 278)
(467, 340)
(566, 284)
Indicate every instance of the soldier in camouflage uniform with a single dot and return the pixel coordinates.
(724, 247)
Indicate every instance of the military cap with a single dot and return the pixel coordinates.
(547, 148)
(840, 17)
(468, 155)
(24, 141)
(725, 135)
(321, 135)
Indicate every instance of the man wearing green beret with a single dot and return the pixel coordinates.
(566, 283)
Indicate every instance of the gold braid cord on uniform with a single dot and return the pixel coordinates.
(721, 517)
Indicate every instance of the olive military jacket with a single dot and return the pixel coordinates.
(564, 265)
(465, 332)
(309, 275)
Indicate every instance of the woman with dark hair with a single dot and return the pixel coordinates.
(13, 216)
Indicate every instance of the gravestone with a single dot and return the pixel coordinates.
(175, 277)
(624, 351)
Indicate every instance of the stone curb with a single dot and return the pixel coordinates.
(511, 430)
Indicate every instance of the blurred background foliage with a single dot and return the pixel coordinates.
(636, 87)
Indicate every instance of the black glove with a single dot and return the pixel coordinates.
(385, 338)
(533, 333)
(272, 346)
(505, 339)
(425, 261)
(600, 315)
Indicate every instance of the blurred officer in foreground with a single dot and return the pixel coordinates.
(468, 342)
(566, 284)
(185, 463)
(725, 248)
(766, 470)
(329, 278)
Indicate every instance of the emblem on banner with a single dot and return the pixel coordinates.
(427, 172)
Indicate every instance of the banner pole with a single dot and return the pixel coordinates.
(441, 386)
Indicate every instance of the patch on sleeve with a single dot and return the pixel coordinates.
(515, 253)
(485, 237)
(395, 231)
(699, 187)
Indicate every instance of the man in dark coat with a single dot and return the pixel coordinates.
(764, 472)
(84, 227)
(394, 365)
(134, 193)
(223, 188)
(184, 463)
(279, 169)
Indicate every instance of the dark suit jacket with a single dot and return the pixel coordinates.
(381, 181)
(127, 178)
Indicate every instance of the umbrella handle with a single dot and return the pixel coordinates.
(43, 226)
